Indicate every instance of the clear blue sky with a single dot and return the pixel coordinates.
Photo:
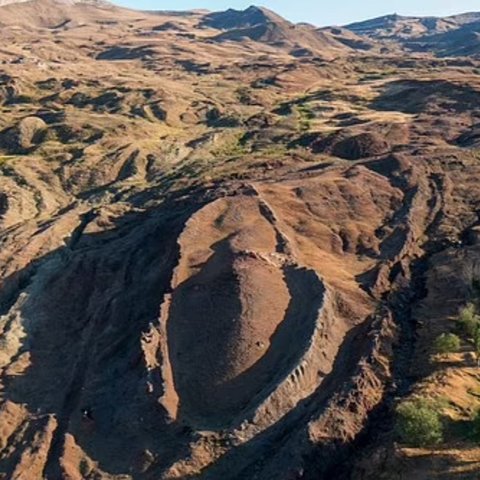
(319, 12)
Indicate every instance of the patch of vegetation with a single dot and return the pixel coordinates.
(469, 320)
(377, 75)
(277, 150)
(447, 343)
(306, 116)
(476, 344)
(84, 468)
(233, 147)
(476, 426)
(467, 430)
(4, 159)
(418, 423)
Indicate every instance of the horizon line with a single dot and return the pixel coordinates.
(207, 10)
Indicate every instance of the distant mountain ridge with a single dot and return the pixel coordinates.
(52, 14)
(262, 25)
(249, 17)
(62, 2)
(454, 35)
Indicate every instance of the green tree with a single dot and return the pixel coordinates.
(447, 343)
(476, 344)
(469, 320)
(418, 423)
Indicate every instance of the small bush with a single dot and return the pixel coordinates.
(447, 343)
(418, 423)
(469, 320)
(476, 342)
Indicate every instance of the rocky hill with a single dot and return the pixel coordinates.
(231, 243)
(458, 35)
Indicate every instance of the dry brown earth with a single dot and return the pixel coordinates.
(227, 244)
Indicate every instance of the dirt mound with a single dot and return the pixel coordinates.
(360, 146)
(354, 147)
(27, 134)
(223, 357)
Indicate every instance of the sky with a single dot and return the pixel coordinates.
(319, 12)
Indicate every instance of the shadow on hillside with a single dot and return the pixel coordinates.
(205, 314)
(246, 460)
(417, 96)
(84, 310)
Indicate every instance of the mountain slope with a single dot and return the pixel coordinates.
(397, 26)
(262, 25)
(456, 35)
(57, 13)
(229, 245)
(233, 19)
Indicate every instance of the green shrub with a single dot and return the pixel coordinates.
(469, 320)
(418, 423)
(447, 343)
(476, 342)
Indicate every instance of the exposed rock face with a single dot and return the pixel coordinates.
(226, 259)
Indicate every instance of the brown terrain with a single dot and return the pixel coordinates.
(228, 243)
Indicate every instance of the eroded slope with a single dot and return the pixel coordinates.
(217, 254)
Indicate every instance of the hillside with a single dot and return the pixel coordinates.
(262, 25)
(230, 244)
(458, 35)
